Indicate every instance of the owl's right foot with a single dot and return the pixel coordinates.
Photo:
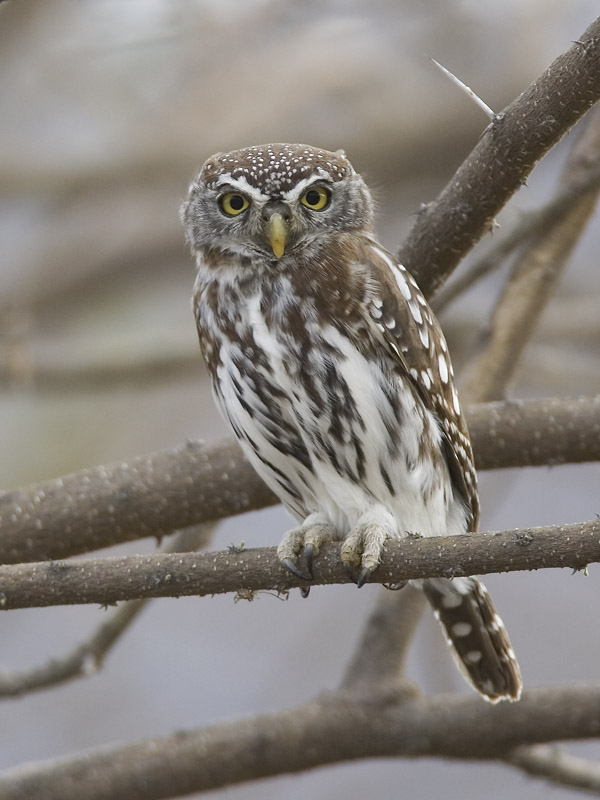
(303, 544)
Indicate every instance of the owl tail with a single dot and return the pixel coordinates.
(476, 635)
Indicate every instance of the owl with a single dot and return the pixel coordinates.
(334, 375)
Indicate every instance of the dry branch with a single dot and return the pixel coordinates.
(342, 727)
(87, 656)
(543, 761)
(529, 224)
(156, 494)
(501, 162)
(533, 280)
(108, 580)
(381, 652)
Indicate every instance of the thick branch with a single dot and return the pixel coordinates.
(150, 495)
(156, 494)
(501, 162)
(342, 727)
(107, 580)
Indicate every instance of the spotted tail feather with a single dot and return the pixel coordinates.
(477, 636)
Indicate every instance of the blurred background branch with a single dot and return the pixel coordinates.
(329, 730)
(88, 656)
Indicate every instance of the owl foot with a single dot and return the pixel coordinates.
(361, 549)
(305, 541)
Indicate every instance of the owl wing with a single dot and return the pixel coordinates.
(400, 315)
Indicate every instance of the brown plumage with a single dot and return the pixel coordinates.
(335, 376)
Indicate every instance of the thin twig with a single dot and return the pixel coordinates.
(529, 224)
(533, 281)
(510, 147)
(559, 767)
(490, 113)
(88, 656)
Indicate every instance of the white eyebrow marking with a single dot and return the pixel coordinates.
(243, 186)
(299, 189)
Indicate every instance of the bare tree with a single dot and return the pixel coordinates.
(376, 711)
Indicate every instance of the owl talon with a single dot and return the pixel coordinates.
(361, 549)
(309, 552)
(363, 577)
(303, 543)
(359, 579)
(291, 567)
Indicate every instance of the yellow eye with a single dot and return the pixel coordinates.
(233, 203)
(316, 198)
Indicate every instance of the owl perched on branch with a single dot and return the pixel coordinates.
(335, 376)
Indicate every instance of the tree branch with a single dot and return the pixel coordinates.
(529, 224)
(156, 494)
(501, 162)
(380, 654)
(87, 657)
(533, 280)
(108, 580)
(133, 364)
(543, 761)
(341, 727)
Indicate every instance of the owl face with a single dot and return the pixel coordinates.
(272, 201)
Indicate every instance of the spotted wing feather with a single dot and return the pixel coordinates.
(405, 322)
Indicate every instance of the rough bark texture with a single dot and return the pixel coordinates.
(156, 494)
(500, 163)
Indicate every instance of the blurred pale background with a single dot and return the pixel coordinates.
(107, 109)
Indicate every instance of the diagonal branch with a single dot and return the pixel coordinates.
(533, 280)
(543, 761)
(529, 224)
(87, 657)
(108, 580)
(501, 162)
(156, 494)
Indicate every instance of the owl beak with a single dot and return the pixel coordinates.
(277, 233)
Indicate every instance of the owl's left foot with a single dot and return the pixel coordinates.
(362, 548)
(305, 542)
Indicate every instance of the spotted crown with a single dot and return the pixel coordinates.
(275, 168)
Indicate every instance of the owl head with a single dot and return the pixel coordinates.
(274, 200)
